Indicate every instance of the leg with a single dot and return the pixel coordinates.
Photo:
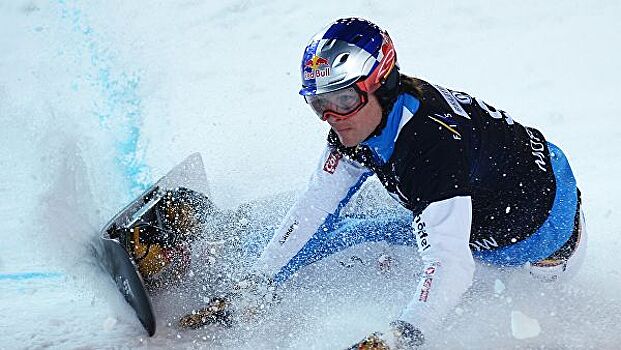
(346, 233)
(566, 263)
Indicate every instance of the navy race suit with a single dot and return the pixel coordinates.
(479, 185)
(456, 145)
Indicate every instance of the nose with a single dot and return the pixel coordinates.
(332, 118)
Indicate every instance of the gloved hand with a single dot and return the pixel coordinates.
(216, 312)
(252, 295)
(401, 336)
(406, 335)
(248, 298)
(375, 341)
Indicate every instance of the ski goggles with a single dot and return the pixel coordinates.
(340, 104)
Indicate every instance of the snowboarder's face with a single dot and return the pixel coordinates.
(355, 129)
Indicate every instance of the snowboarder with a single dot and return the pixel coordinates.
(479, 184)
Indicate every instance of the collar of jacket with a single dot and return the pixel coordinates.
(383, 145)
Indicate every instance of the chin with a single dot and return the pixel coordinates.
(348, 142)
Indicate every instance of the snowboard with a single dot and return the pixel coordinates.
(129, 282)
(113, 255)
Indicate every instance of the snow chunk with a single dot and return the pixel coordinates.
(384, 263)
(499, 287)
(523, 327)
(109, 324)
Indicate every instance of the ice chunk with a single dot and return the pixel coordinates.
(499, 287)
(523, 327)
(109, 324)
(384, 262)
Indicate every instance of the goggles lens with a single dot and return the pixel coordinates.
(340, 103)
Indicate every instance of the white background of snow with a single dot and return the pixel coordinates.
(222, 79)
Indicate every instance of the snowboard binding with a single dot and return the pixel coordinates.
(159, 235)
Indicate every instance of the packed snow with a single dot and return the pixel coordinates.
(99, 99)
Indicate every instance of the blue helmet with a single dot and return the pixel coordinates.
(346, 52)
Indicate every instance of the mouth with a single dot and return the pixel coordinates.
(339, 130)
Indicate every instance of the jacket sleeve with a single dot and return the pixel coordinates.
(442, 234)
(331, 186)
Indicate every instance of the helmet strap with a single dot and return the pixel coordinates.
(387, 94)
(389, 87)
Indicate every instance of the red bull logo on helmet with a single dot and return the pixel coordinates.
(314, 64)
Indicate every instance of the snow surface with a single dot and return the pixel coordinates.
(99, 99)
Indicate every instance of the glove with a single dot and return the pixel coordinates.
(216, 312)
(373, 342)
(406, 335)
(252, 296)
(402, 336)
(247, 299)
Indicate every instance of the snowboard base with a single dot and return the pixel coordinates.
(128, 281)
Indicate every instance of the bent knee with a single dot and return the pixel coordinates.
(553, 269)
